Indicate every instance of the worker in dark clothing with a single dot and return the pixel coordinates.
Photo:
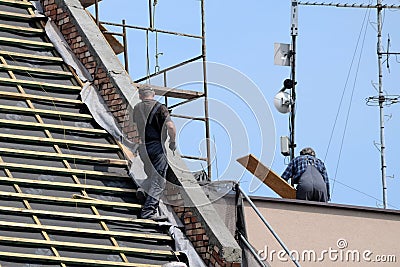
(153, 123)
(309, 173)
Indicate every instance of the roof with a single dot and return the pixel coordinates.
(65, 194)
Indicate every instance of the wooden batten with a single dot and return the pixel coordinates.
(52, 141)
(268, 177)
(69, 201)
(30, 56)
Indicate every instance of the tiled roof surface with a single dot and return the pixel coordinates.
(65, 196)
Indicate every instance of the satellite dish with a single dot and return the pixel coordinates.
(282, 102)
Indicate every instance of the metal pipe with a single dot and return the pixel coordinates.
(346, 5)
(150, 15)
(381, 105)
(125, 42)
(205, 87)
(96, 11)
(169, 68)
(188, 117)
(114, 33)
(294, 25)
(152, 30)
(293, 96)
(165, 85)
(269, 227)
(192, 157)
(182, 103)
(252, 251)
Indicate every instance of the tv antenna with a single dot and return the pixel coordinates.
(285, 55)
(381, 100)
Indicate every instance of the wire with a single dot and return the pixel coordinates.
(351, 99)
(361, 192)
(344, 88)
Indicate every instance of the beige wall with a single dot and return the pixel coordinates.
(307, 227)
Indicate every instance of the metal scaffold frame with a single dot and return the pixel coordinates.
(186, 95)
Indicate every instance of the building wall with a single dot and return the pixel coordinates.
(337, 234)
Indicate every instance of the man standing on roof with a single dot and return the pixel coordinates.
(309, 173)
(153, 123)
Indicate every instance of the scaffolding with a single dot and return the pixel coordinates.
(185, 96)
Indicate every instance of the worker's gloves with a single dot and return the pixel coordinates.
(172, 146)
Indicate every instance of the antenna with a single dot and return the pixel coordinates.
(285, 55)
(381, 100)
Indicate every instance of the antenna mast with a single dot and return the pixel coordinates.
(381, 102)
(381, 99)
(293, 30)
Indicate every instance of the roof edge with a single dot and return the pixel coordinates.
(325, 205)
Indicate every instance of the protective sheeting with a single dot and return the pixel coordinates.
(65, 51)
(182, 243)
(61, 175)
(99, 111)
(89, 94)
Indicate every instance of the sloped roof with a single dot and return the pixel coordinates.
(65, 196)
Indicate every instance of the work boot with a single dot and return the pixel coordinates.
(141, 195)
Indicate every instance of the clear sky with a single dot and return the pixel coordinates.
(336, 56)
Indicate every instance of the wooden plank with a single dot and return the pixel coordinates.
(83, 231)
(268, 177)
(54, 127)
(172, 92)
(69, 201)
(65, 186)
(45, 169)
(14, 41)
(50, 113)
(40, 98)
(52, 141)
(19, 3)
(35, 70)
(30, 56)
(116, 46)
(6, 27)
(57, 157)
(18, 16)
(80, 261)
(40, 84)
(85, 217)
(83, 247)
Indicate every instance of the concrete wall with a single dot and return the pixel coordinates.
(336, 233)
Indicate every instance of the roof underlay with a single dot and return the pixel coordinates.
(65, 196)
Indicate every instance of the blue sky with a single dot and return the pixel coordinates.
(241, 36)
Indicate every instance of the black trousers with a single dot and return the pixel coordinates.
(155, 166)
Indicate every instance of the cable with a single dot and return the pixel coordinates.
(349, 108)
(344, 88)
(361, 192)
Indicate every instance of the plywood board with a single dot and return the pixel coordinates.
(268, 176)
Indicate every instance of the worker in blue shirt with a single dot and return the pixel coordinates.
(309, 173)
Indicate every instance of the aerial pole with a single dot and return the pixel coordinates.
(293, 32)
(381, 101)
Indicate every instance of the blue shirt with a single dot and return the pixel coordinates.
(298, 166)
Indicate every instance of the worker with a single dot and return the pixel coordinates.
(153, 122)
(309, 173)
